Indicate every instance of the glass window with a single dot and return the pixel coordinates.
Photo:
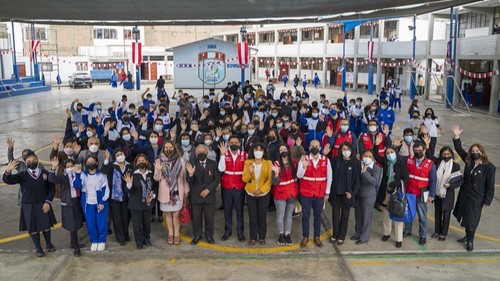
(287, 36)
(306, 35)
(266, 37)
(391, 30)
(365, 31)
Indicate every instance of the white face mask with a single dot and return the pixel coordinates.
(69, 171)
(120, 159)
(346, 153)
(208, 142)
(90, 134)
(344, 128)
(158, 128)
(258, 154)
(153, 140)
(93, 148)
(367, 160)
(372, 128)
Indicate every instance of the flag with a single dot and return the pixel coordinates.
(371, 46)
(136, 53)
(34, 45)
(243, 54)
(59, 81)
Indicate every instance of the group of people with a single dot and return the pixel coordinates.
(136, 162)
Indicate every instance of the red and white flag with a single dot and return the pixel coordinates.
(371, 46)
(34, 45)
(136, 53)
(243, 54)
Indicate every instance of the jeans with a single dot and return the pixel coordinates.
(422, 219)
(397, 101)
(284, 210)
(317, 205)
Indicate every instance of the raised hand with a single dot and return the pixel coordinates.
(222, 148)
(378, 139)
(234, 117)
(107, 154)
(107, 126)
(81, 128)
(68, 112)
(190, 168)
(56, 141)
(10, 143)
(173, 134)
(304, 162)
(288, 125)
(251, 168)
(218, 132)
(55, 162)
(397, 142)
(326, 149)
(385, 129)
(298, 141)
(427, 140)
(98, 119)
(158, 165)
(113, 104)
(329, 131)
(11, 166)
(183, 126)
(77, 148)
(271, 123)
(128, 178)
(77, 168)
(143, 120)
(456, 131)
(134, 134)
(261, 126)
(275, 169)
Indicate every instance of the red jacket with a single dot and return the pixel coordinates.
(419, 176)
(313, 183)
(234, 171)
(288, 186)
(368, 143)
(339, 139)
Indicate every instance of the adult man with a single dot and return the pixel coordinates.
(315, 174)
(345, 135)
(231, 164)
(369, 140)
(93, 144)
(203, 179)
(160, 85)
(422, 183)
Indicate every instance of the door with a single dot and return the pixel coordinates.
(284, 69)
(144, 71)
(21, 70)
(154, 71)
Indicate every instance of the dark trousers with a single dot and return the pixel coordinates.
(340, 216)
(141, 221)
(441, 217)
(156, 209)
(432, 146)
(208, 211)
(257, 213)
(316, 204)
(470, 235)
(233, 198)
(120, 215)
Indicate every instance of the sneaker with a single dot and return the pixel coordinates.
(281, 239)
(288, 240)
(101, 247)
(93, 247)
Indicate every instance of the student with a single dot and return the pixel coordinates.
(296, 80)
(432, 123)
(37, 194)
(71, 210)
(316, 80)
(94, 199)
(140, 187)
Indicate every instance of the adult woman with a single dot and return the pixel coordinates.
(257, 175)
(476, 191)
(371, 174)
(395, 171)
(140, 187)
(432, 124)
(173, 188)
(285, 192)
(449, 177)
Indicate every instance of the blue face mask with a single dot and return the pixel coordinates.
(75, 130)
(333, 112)
(185, 142)
(225, 137)
(408, 138)
(391, 157)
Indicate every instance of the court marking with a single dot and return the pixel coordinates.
(24, 235)
(478, 235)
(426, 261)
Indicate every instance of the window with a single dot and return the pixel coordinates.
(170, 58)
(471, 21)
(266, 37)
(129, 35)
(306, 35)
(496, 21)
(364, 31)
(250, 37)
(335, 33)
(312, 63)
(40, 33)
(232, 38)
(287, 36)
(391, 30)
(82, 66)
(105, 33)
(287, 62)
(267, 62)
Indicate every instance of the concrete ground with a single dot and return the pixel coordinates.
(32, 121)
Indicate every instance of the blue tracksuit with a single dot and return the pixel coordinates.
(386, 116)
(311, 134)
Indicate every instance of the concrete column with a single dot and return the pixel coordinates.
(224, 37)
(495, 82)
(355, 66)
(428, 77)
(325, 78)
(380, 81)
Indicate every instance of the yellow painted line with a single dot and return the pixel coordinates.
(478, 235)
(22, 236)
(42, 149)
(426, 261)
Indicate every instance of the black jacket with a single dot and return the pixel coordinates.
(203, 178)
(353, 177)
(135, 192)
(400, 173)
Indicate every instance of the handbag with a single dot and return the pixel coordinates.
(185, 214)
(402, 206)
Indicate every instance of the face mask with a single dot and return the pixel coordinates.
(90, 134)
(185, 143)
(258, 154)
(279, 125)
(208, 142)
(126, 137)
(358, 103)
(98, 107)
(372, 128)
(120, 159)
(234, 147)
(162, 111)
(79, 109)
(142, 166)
(201, 157)
(69, 171)
(226, 137)
(428, 114)
(346, 153)
(314, 151)
(367, 160)
(222, 113)
(194, 127)
(293, 130)
(91, 166)
(69, 151)
(169, 153)
(158, 128)
(315, 115)
(391, 157)
(93, 148)
(408, 138)
(374, 108)
(131, 110)
(415, 116)
(271, 138)
(33, 165)
(290, 142)
(384, 107)
(344, 128)
(75, 130)
(125, 119)
(274, 114)
(418, 155)
(153, 140)
(333, 112)
(251, 132)
(286, 120)
(476, 155)
(284, 154)
(150, 98)
(447, 158)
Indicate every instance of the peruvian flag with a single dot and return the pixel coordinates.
(243, 54)
(136, 53)
(371, 45)
(34, 45)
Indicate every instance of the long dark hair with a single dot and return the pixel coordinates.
(484, 156)
(433, 116)
(263, 147)
(289, 159)
(148, 165)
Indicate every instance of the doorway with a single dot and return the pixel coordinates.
(21, 70)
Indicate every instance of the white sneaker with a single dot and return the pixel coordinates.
(101, 247)
(93, 247)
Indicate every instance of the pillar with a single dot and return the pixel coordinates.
(495, 82)
(380, 81)
(356, 50)
(325, 78)
(430, 36)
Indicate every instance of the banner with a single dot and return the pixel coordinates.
(136, 53)
(34, 45)
(243, 54)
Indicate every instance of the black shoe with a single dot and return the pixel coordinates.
(210, 240)
(241, 237)
(122, 243)
(39, 253)
(354, 237)
(110, 231)
(140, 247)
(82, 245)
(160, 219)
(152, 219)
(76, 252)
(378, 208)
(128, 239)
(281, 239)
(359, 242)
(221, 207)
(470, 246)
(462, 240)
(442, 238)
(435, 235)
(195, 240)
(406, 234)
(422, 241)
(288, 240)
(399, 244)
(294, 214)
(51, 248)
(385, 237)
(225, 236)
(148, 243)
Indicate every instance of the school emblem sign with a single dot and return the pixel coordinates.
(212, 67)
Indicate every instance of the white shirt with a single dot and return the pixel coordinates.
(301, 171)
(431, 124)
(91, 184)
(222, 160)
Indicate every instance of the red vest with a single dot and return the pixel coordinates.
(339, 139)
(313, 183)
(419, 176)
(234, 171)
(288, 187)
(368, 144)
